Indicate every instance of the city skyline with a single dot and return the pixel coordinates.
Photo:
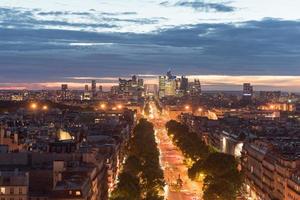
(208, 82)
(46, 44)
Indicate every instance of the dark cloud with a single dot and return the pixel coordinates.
(59, 13)
(201, 6)
(267, 47)
(25, 19)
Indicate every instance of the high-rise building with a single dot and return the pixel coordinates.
(195, 88)
(140, 82)
(167, 85)
(161, 86)
(184, 84)
(86, 88)
(64, 87)
(64, 91)
(94, 87)
(247, 89)
(100, 88)
(170, 87)
(133, 87)
(247, 92)
(134, 80)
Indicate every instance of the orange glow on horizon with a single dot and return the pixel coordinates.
(289, 83)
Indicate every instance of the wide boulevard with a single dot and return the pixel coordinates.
(172, 161)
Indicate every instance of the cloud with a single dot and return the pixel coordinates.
(201, 6)
(91, 21)
(249, 48)
(63, 13)
(46, 46)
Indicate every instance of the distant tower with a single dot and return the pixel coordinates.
(100, 88)
(86, 88)
(184, 84)
(64, 91)
(64, 87)
(161, 86)
(247, 92)
(94, 87)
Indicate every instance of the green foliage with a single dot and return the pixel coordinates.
(142, 163)
(127, 188)
(189, 143)
(222, 179)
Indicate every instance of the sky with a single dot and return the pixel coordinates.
(222, 42)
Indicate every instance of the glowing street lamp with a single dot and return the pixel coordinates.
(200, 109)
(119, 106)
(187, 107)
(33, 106)
(45, 107)
(103, 106)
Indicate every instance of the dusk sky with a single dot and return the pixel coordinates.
(224, 43)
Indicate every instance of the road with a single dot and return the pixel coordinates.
(172, 161)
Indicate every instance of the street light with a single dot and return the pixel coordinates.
(187, 107)
(45, 107)
(119, 106)
(103, 106)
(200, 109)
(33, 106)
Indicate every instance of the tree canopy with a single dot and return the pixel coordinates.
(222, 180)
(142, 164)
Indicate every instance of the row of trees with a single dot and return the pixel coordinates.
(142, 177)
(222, 180)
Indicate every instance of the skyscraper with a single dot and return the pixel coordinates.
(170, 87)
(94, 87)
(247, 89)
(247, 92)
(100, 88)
(195, 88)
(86, 88)
(140, 82)
(161, 86)
(167, 85)
(64, 91)
(64, 87)
(184, 84)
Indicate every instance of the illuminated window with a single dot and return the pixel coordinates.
(78, 193)
(2, 190)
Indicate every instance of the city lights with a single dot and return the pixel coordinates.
(33, 106)
(103, 106)
(119, 106)
(45, 107)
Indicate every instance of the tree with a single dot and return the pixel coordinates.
(142, 164)
(222, 180)
(127, 188)
(222, 177)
